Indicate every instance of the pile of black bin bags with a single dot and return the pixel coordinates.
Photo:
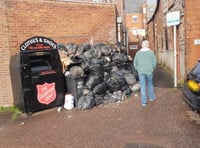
(108, 73)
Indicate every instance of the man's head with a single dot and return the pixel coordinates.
(145, 44)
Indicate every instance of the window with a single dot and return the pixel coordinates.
(144, 11)
(133, 47)
(135, 19)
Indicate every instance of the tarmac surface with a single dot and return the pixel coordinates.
(167, 122)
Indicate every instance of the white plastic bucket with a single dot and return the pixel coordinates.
(69, 102)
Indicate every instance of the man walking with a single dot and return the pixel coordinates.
(145, 63)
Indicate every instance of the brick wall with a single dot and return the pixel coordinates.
(133, 25)
(150, 34)
(5, 90)
(119, 4)
(63, 22)
(155, 32)
(192, 29)
(162, 36)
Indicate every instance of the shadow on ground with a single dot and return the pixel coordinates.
(162, 78)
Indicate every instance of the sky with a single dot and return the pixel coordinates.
(151, 1)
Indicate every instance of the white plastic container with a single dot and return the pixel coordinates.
(69, 102)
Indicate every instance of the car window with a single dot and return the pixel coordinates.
(195, 72)
(196, 69)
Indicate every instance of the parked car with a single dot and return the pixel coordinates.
(191, 88)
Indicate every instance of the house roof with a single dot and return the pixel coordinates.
(156, 8)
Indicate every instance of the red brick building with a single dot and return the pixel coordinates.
(62, 21)
(135, 15)
(187, 35)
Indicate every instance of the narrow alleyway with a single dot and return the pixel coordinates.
(162, 78)
(163, 123)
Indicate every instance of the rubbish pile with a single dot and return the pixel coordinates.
(97, 74)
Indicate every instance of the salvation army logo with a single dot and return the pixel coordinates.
(46, 93)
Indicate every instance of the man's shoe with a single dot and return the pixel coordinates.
(144, 104)
(152, 99)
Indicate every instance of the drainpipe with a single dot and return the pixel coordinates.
(175, 58)
(127, 47)
(119, 22)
